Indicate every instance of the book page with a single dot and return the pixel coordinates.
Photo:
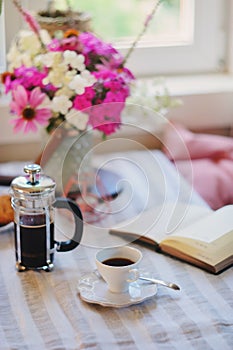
(211, 227)
(211, 253)
(160, 221)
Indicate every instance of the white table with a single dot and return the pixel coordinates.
(40, 310)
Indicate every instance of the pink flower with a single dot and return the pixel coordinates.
(106, 117)
(29, 77)
(26, 106)
(113, 97)
(114, 82)
(96, 46)
(64, 44)
(85, 100)
(9, 83)
(31, 21)
(33, 24)
(113, 85)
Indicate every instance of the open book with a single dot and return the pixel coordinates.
(191, 233)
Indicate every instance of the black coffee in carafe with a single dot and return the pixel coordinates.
(33, 200)
(36, 241)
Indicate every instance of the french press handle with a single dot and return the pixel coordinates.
(66, 203)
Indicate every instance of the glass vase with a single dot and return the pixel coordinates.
(66, 157)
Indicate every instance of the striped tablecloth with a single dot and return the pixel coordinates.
(40, 310)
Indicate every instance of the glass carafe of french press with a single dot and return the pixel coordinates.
(33, 201)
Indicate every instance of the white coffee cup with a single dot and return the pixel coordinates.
(118, 267)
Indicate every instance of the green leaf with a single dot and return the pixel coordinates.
(0, 7)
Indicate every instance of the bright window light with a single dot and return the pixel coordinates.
(120, 21)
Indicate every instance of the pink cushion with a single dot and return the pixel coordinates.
(213, 181)
(181, 143)
(206, 161)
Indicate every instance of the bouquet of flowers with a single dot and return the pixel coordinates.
(77, 78)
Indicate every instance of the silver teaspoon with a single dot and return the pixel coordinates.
(163, 283)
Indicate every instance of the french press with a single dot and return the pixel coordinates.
(33, 200)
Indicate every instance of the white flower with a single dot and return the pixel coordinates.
(29, 43)
(88, 77)
(58, 68)
(82, 80)
(74, 60)
(61, 104)
(77, 118)
(56, 76)
(17, 59)
(51, 59)
(13, 55)
(78, 84)
(65, 90)
(70, 74)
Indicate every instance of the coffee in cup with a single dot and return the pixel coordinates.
(118, 266)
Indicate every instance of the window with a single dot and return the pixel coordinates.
(120, 21)
(194, 40)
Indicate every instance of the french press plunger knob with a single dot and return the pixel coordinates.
(32, 170)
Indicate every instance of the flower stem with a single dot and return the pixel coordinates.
(145, 26)
(31, 21)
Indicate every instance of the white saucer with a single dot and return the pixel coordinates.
(93, 289)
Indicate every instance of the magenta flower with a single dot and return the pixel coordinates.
(26, 105)
(106, 117)
(113, 97)
(9, 83)
(91, 43)
(64, 44)
(29, 77)
(85, 100)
